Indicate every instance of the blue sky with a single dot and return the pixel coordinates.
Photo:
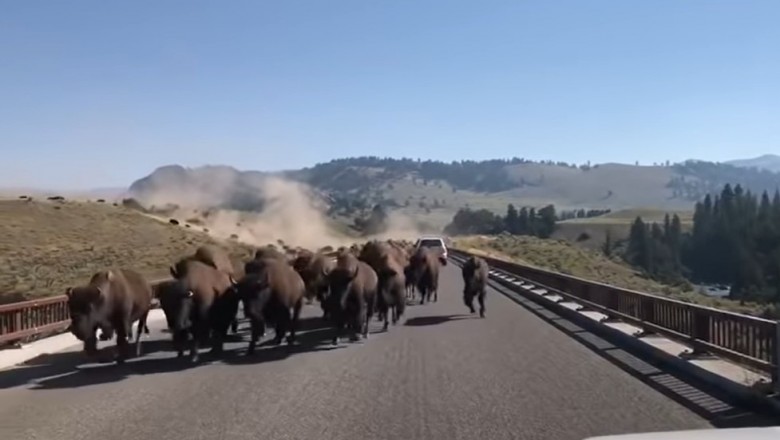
(100, 93)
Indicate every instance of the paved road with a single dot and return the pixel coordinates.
(442, 375)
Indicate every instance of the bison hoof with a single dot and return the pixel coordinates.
(481, 313)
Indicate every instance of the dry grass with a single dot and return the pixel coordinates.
(567, 258)
(617, 223)
(46, 247)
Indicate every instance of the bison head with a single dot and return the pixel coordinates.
(177, 303)
(253, 291)
(84, 305)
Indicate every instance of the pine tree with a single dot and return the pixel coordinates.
(607, 246)
(512, 220)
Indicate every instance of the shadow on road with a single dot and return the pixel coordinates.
(707, 402)
(56, 364)
(422, 321)
(74, 369)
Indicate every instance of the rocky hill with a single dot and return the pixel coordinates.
(432, 191)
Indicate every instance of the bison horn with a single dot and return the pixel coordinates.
(189, 294)
(69, 292)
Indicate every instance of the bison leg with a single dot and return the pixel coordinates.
(481, 299)
(121, 341)
(179, 340)
(234, 326)
(141, 327)
(338, 327)
(90, 346)
(294, 322)
(468, 300)
(258, 331)
(282, 324)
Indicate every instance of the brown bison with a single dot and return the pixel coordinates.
(199, 302)
(425, 265)
(391, 295)
(373, 253)
(274, 293)
(269, 251)
(353, 286)
(112, 301)
(216, 258)
(314, 269)
(475, 276)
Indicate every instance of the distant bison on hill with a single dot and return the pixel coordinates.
(173, 221)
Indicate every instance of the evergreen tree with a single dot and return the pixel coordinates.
(512, 220)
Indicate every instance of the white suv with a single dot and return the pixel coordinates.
(432, 242)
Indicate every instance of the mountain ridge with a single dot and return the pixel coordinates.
(434, 190)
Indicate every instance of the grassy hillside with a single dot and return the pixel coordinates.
(47, 246)
(592, 232)
(561, 256)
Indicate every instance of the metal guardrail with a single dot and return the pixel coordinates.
(747, 340)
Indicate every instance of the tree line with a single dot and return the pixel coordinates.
(581, 213)
(525, 221)
(735, 241)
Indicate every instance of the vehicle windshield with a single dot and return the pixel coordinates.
(430, 242)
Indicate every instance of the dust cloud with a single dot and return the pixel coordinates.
(291, 213)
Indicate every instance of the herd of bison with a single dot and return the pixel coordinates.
(202, 299)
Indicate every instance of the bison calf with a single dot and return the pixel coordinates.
(475, 276)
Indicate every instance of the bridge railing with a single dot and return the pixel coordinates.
(747, 340)
(24, 320)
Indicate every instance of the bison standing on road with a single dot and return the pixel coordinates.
(218, 259)
(200, 302)
(353, 286)
(475, 276)
(391, 296)
(112, 301)
(314, 269)
(272, 292)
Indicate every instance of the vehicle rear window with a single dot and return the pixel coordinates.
(430, 242)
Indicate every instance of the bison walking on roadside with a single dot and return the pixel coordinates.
(112, 301)
(199, 302)
(273, 291)
(475, 273)
(350, 303)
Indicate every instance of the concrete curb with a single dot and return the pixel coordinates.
(12, 357)
(740, 393)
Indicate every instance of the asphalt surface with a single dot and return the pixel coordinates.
(442, 374)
